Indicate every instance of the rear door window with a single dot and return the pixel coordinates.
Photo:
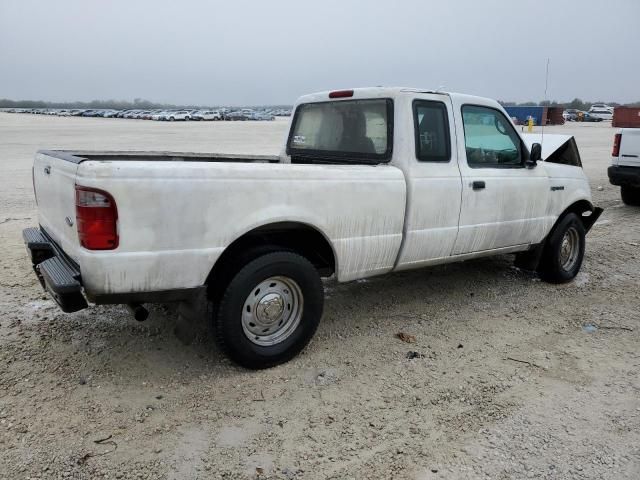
(431, 123)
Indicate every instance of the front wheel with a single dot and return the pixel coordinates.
(270, 310)
(564, 250)
(630, 195)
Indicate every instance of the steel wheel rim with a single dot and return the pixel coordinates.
(569, 249)
(272, 311)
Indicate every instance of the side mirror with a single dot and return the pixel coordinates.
(536, 152)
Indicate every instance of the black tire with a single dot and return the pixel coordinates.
(171, 119)
(229, 326)
(558, 263)
(630, 195)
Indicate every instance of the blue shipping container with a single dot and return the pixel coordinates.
(523, 113)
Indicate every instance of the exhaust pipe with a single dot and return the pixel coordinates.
(138, 311)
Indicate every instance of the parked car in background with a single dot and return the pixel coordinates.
(161, 115)
(179, 115)
(601, 114)
(625, 164)
(263, 116)
(601, 106)
(588, 117)
(206, 115)
(236, 116)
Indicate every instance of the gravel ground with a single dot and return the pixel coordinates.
(512, 378)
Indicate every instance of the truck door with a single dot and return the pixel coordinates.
(503, 202)
(433, 182)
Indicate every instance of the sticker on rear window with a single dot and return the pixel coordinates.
(299, 139)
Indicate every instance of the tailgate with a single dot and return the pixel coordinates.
(630, 148)
(54, 178)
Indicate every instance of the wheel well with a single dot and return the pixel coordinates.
(297, 237)
(580, 208)
(530, 259)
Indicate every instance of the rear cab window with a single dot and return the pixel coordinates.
(345, 131)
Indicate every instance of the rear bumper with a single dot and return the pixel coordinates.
(58, 274)
(624, 176)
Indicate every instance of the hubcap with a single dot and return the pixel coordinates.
(272, 311)
(569, 249)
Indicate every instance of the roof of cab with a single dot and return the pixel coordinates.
(380, 92)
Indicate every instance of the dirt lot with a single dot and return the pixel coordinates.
(508, 383)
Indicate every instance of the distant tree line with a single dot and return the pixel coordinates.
(576, 103)
(138, 103)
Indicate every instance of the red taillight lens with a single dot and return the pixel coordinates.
(96, 219)
(616, 144)
(341, 94)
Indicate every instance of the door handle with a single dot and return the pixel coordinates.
(478, 184)
(47, 169)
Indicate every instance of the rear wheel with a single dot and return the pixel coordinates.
(564, 250)
(270, 310)
(630, 195)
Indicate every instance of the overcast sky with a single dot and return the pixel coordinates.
(264, 52)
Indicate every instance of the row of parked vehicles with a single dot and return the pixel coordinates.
(597, 113)
(163, 115)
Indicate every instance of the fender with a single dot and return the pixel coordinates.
(530, 259)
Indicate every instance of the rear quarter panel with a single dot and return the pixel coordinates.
(176, 218)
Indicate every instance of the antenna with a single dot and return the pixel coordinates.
(546, 85)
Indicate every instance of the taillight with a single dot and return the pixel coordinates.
(96, 219)
(341, 94)
(616, 145)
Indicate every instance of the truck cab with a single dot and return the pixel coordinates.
(471, 183)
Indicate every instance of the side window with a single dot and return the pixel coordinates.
(431, 124)
(490, 139)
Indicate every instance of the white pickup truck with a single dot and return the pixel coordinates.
(625, 165)
(370, 181)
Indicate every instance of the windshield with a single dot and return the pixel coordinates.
(347, 128)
